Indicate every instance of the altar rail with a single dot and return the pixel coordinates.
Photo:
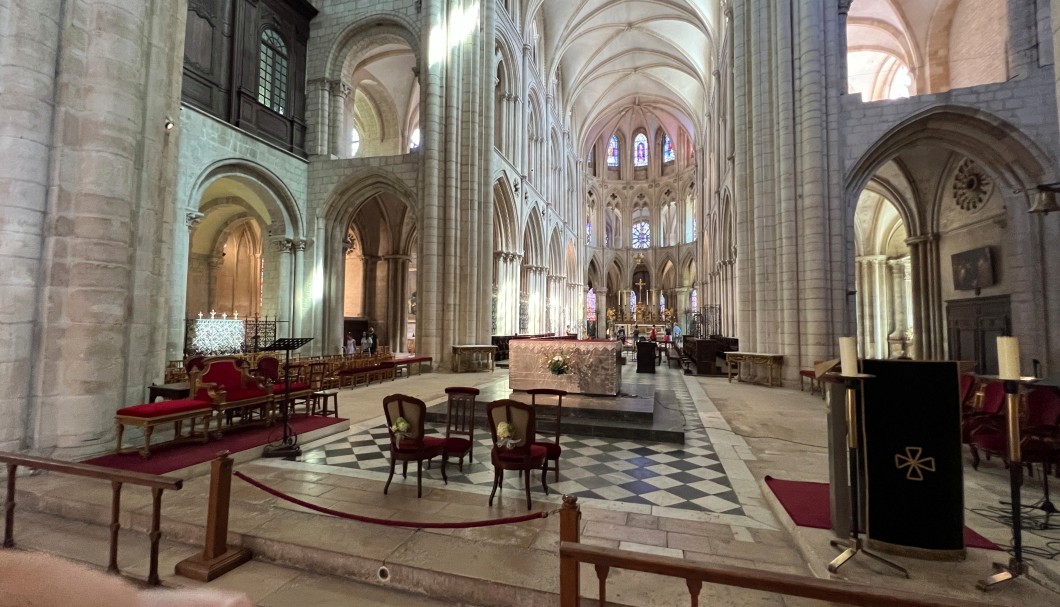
(572, 554)
(117, 479)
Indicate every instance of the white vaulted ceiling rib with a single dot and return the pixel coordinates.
(611, 56)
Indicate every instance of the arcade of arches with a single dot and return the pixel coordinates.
(448, 170)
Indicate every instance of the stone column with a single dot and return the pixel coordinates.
(178, 278)
(844, 12)
(899, 283)
(371, 287)
(397, 294)
(928, 329)
(84, 249)
(601, 314)
(299, 288)
(337, 93)
(283, 248)
(1022, 39)
(515, 274)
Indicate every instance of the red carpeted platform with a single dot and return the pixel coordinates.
(167, 458)
(807, 505)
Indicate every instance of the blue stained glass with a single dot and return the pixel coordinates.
(668, 149)
(640, 151)
(612, 151)
(641, 235)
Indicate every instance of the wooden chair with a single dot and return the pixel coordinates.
(989, 415)
(521, 454)
(321, 393)
(412, 446)
(460, 424)
(551, 416)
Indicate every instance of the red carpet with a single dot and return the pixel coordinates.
(168, 458)
(807, 505)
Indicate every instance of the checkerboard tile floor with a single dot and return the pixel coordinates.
(659, 474)
(688, 476)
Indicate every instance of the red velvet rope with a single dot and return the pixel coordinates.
(392, 523)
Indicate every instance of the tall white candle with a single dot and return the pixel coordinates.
(848, 356)
(1008, 358)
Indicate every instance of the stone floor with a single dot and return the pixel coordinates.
(751, 431)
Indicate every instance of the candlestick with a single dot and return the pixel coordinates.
(848, 356)
(1008, 358)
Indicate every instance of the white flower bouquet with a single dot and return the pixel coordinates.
(559, 365)
(400, 427)
(505, 435)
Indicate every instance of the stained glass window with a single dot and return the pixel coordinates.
(640, 150)
(668, 149)
(641, 235)
(588, 233)
(612, 151)
(694, 300)
(272, 72)
(590, 306)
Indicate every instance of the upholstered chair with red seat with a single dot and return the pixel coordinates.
(407, 440)
(513, 444)
(987, 416)
(269, 368)
(227, 383)
(1040, 442)
(460, 424)
(549, 418)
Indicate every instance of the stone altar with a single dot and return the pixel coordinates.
(594, 362)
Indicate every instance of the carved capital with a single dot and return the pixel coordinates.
(192, 218)
(844, 6)
(282, 245)
(339, 88)
(299, 245)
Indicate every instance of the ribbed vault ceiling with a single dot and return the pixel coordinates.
(611, 56)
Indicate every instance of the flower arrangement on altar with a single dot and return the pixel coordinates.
(400, 427)
(505, 435)
(560, 365)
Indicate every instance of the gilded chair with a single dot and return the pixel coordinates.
(516, 450)
(410, 445)
(549, 418)
(460, 424)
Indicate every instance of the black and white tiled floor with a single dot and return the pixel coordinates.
(689, 476)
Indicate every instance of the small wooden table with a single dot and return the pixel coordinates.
(467, 358)
(771, 361)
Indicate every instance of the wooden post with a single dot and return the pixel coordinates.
(217, 558)
(569, 580)
(9, 508)
(155, 535)
(115, 525)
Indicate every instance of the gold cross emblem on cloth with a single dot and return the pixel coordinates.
(915, 464)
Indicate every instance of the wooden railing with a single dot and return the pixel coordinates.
(572, 554)
(117, 479)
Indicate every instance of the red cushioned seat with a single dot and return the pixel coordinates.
(295, 387)
(537, 455)
(456, 444)
(165, 407)
(431, 444)
(237, 394)
(553, 449)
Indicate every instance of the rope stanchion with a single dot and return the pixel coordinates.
(392, 523)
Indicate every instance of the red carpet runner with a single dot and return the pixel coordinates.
(807, 505)
(168, 458)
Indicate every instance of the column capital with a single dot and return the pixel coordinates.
(397, 257)
(282, 244)
(844, 6)
(299, 245)
(192, 218)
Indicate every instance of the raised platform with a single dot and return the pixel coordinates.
(635, 414)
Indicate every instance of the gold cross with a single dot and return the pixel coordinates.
(640, 295)
(916, 465)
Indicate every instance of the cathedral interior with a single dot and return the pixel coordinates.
(450, 173)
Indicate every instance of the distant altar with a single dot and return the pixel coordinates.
(593, 363)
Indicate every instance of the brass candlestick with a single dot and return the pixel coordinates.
(853, 545)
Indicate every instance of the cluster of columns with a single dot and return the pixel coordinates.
(884, 306)
(536, 288)
(507, 267)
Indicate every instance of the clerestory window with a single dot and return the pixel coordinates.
(272, 72)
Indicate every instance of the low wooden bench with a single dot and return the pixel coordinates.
(149, 415)
(406, 364)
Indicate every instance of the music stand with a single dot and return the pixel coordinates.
(288, 446)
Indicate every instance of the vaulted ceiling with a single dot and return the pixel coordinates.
(613, 57)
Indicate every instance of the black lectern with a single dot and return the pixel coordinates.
(288, 445)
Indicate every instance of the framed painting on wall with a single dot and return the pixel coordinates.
(973, 270)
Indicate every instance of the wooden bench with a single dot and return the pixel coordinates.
(406, 364)
(149, 415)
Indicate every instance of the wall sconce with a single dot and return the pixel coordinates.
(169, 124)
(1045, 200)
